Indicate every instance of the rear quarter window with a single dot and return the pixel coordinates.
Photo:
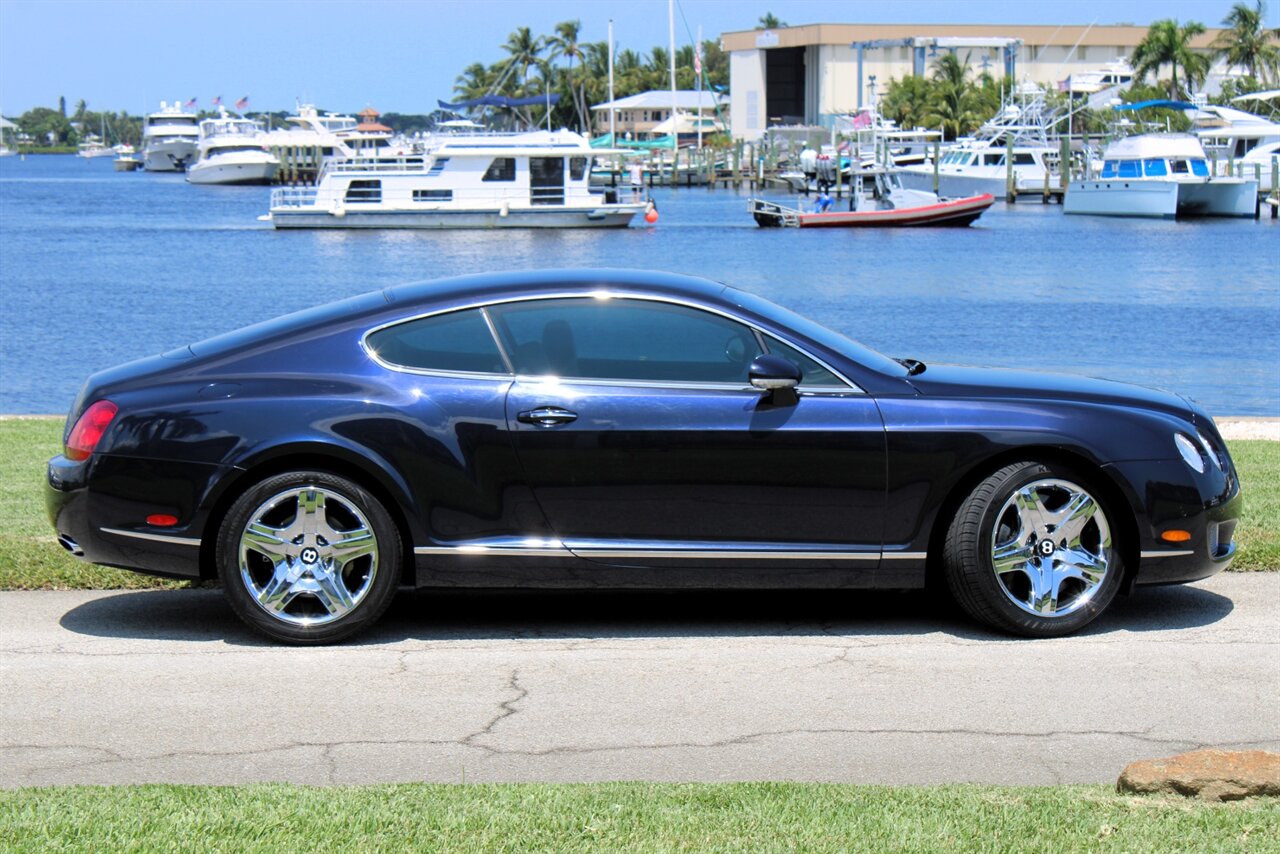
(459, 341)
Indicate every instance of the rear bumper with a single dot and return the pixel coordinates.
(99, 508)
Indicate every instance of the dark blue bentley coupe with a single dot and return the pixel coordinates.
(625, 429)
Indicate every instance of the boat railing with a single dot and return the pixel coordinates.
(294, 197)
(410, 163)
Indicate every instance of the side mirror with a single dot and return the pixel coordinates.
(776, 376)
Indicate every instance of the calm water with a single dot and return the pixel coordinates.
(97, 268)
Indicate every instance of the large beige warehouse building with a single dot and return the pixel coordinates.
(808, 74)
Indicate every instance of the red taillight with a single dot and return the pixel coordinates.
(89, 429)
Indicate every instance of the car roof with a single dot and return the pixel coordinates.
(515, 284)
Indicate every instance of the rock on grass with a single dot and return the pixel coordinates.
(1213, 775)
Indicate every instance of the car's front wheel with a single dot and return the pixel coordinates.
(1031, 550)
(308, 557)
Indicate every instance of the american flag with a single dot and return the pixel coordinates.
(697, 60)
(862, 120)
(191, 103)
(217, 101)
(242, 103)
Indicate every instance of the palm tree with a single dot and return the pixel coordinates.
(1249, 44)
(1166, 43)
(565, 44)
(523, 52)
(770, 21)
(953, 106)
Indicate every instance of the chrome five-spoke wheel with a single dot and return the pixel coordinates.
(308, 557)
(1050, 547)
(1030, 550)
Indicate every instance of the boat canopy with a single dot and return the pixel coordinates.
(607, 141)
(1167, 105)
(500, 101)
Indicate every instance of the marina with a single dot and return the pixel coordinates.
(1023, 287)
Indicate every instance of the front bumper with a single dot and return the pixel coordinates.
(1168, 496)
(99, 508)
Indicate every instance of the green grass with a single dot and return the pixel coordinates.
(30, 559)
(1258, 534)
(647, 817)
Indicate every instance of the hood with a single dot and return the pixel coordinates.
(966, 382)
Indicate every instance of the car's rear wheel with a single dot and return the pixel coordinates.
(308, 557)
(1032, 551)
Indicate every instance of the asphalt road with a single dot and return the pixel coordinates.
(167, 686)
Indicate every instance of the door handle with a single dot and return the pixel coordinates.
(547, 416)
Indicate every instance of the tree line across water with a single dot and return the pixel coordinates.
(951, 97)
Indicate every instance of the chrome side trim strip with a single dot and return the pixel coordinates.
(1162, 553)
(730, 554)
(159, 538)
(904, 555)
(496, 551)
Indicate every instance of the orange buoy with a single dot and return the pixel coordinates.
(651, 215)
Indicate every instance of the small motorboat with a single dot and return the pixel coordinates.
(878, 199)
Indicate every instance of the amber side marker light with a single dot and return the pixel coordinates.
(162, 520)
(1176, 536)
(88, 431)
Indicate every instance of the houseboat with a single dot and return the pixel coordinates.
(529, 180)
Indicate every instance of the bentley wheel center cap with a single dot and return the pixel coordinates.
(310, 555)
(1045, 548)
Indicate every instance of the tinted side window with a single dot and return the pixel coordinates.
(811, 372)
(625, 340)
(458, 341)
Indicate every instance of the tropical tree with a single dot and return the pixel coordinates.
(565, 44)
(906, 101)
(1248, 43)
(954, 106)
(1166, 43)
(770, 21)
(524, 51)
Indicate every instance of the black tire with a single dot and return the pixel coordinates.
(322, 563)
(1017, 600)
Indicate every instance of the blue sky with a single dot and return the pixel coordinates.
(400, 55)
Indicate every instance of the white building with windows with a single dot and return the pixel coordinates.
(809, 74)
(638, 116)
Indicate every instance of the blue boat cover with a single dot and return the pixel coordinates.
(500, 101)
(1168, 105)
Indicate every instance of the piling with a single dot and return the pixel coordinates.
(1011, 188)
(1275, 186)
(937, 146)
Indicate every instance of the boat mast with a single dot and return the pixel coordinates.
(613, 140)
(697, 61)
(671, 33)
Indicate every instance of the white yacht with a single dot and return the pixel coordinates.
(1160, 175)
(1115, 75)
(527, 180)
(980, 165)
(1237, 142)
(169, 138)
(93, 146)
(310, 129)
(232, 151)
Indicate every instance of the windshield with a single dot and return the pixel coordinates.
(816, 332)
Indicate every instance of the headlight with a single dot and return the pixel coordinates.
(1190, 453)
(1210, 451)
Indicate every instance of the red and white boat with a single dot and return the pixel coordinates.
(876, 199)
